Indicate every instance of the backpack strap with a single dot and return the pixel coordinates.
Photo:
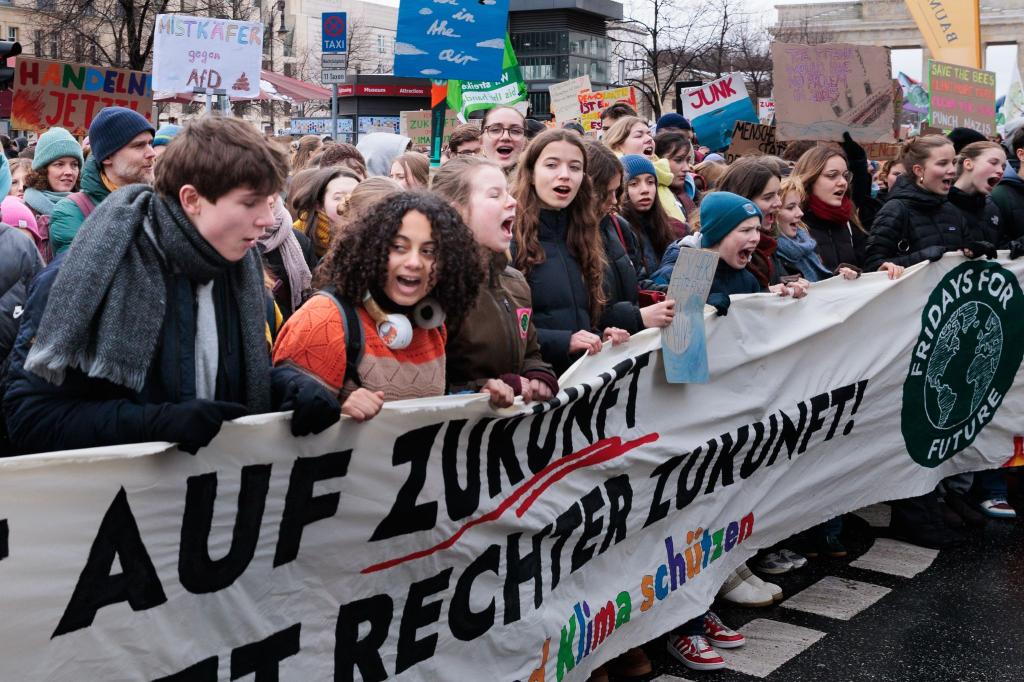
(353, 335)
(83, 202)
(618, 228)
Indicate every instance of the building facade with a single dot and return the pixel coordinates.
(888, 23)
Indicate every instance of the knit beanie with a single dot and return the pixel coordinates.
(113, 128)
(673, 120)
(635, 164)
(15, 213)
(55, 143)
(961, 137)
(720, 213)
(165, 134)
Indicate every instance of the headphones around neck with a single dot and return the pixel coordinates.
(395, 329)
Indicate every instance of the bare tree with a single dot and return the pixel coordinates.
(804, 31)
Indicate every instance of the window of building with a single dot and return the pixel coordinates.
(382, 43)
(540, 42)
(544, 68)
(79, 48)
(54, 45)
(37, 43)
(12, 33)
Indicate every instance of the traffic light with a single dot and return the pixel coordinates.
(8, 49)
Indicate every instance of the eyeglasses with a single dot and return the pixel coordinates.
(515, 132)
(832, 175)
(467, 152)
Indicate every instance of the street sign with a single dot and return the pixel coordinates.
(333, 77)
(334, 29)
(335, 61)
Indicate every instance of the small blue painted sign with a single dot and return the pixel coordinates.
(451, 39)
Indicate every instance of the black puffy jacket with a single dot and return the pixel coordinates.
(837, 243)
(981, 216)
(620, 279)
(1009, 197)
(19, 263)
(910, 224)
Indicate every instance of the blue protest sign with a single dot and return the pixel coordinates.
(334, 32)
(713, 110)
(683, 345)
(451, 39)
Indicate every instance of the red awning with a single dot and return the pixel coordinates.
(273, 87)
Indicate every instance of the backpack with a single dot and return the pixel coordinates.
(79, 199)
(353, 335)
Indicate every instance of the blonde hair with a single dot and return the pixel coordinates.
(794, 184)
(973, 151)
(915, 151)
(618, 133)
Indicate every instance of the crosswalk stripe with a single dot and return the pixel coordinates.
(770, 644)
(877, 515)
(835, 597)
(896, 558)
(670, 678)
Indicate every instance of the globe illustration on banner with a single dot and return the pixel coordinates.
(952, 393)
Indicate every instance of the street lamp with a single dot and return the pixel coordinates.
(278, 8)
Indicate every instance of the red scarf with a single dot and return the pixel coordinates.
(841, 214)
(760, 264)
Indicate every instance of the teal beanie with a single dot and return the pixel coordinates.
(720, 213)
(56, 143)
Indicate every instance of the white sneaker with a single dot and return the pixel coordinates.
(770, 588)
(743, 593)
(798, 560)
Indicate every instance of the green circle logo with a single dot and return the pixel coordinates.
(964, 361)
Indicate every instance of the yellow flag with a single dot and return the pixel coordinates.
(951, 29)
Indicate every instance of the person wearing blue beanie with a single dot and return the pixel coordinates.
(723, 212)
(56, 143)
(676, 123)
(164, 136)
(635, 165)
(114, 128)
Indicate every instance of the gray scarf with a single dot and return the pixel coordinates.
(280, 236)
(106, 307)
(43, 201)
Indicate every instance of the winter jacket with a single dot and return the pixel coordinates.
(273, 261)
(87, 412)
(1008, 196)
(837, 243)
(19, 263)
(561, 299)
(729, 281)
(67, 217)
(380, 150)
(497, 337)
(980, 214)
(913, 223)
(620, 279)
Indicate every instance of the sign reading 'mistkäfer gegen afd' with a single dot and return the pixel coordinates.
(448, 40)
(202, 52)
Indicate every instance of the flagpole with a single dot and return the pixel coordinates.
(977, 35)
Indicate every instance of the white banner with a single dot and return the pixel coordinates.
(442, 539)
(204, 52)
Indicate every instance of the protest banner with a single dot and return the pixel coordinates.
(202, 52)
(714, 108)
(49, 94)
(445, 40)
(416, 126)
(882, 151)
(823, 91)
(565, 103)
(466, 97)
(442, 538)
(765, 110)
(1013, 103)
(961, 97)
(951, 29)
(593, 103)
(753, 139)
(684, 348)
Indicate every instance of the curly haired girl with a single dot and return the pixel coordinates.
(415, 247)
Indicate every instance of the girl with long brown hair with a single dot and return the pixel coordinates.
(558, 248)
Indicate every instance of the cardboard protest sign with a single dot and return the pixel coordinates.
(882, 151)
(443, 538)
(200, 52)
(49, 94)
(466, 97)
(765, 110)
(565, 103)
(714, 108)
(416, 126)
(446, 40)
(684, 349)
(823, 91)
(753, 139)
(592, 103)
(961, 97)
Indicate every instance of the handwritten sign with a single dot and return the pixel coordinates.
(200, 52)
(765, 110)
(683, 346)
(823, 91)
(753, 139)
(713, 109)
(882, 151)
(449, 40)
(961, 97)
(565, 102)
(592, 103)
(416, 126)
(49, 93)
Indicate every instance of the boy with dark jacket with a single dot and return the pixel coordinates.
(152, 326)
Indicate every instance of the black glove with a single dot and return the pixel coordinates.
(933, 253)
(720, 302)
(854, 152)
(649, 285)
(979, 249)
(193, 424)
(313, 406)
(1016, 249)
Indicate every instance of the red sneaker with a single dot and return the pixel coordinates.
(720, 634)
(694, 652)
